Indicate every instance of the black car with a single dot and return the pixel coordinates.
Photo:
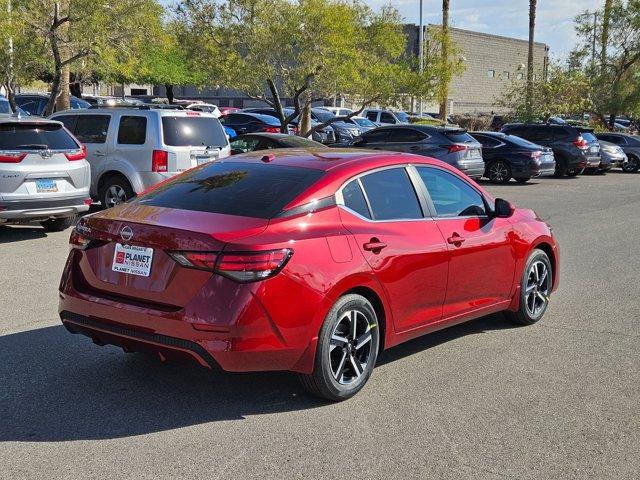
(574, 148)
(243, 122)
(324, 135)
(630, 145)
(35, 103)
(266, 141)
(509, 156)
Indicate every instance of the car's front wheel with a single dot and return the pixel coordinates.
(535, 289)
(347, 350)
(632, 165)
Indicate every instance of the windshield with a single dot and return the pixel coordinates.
(323, 115)
(363, 122)
(190, 131)
(402, 116)
(589, 137)
(5, 107)
(255, 190)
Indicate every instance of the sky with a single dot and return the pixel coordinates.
(554, 25)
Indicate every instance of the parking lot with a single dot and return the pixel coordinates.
(485, 399)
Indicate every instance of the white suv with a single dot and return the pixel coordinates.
(44, 176)
(132, 149)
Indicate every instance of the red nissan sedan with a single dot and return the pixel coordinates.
(306, 261)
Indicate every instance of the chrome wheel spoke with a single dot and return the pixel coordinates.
(354, 324)
(357, 366)
(340, 370)
(363, 339)
(337, 341)
(543, 277)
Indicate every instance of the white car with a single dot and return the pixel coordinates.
(339, 111)
(205, 107)
(132, 149)
(44, 175)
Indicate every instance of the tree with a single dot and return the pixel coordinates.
(304, 50)
(530, 86)
(76, 31)
(604, 39)
(444, 82)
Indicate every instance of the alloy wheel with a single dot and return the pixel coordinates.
(115, 195)
(350, 347)
(498, 172)
(537, 289)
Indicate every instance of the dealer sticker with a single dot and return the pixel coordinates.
(132, 259)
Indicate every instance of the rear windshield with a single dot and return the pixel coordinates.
(589, 137)
(16, 136)
(520, 142)
(458, 136)
(243, 189)
(294, 141)
(192, 131)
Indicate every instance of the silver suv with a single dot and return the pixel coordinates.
(132, 149)
(43, 173)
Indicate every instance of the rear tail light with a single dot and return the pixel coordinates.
(581, 143)
(191, 113)
(243, 267)
(271, 129)
(78, 240)
(456, 147)
(160, 161)
(535, 155)
(10, 157)
(78, 154)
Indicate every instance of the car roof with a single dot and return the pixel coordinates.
(131, 110)
(27, 120)
(419, 127)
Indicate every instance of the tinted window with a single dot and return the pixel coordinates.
(374, 136)
(520, 142)
(293, 141)
(323, 115)
(387, 118)
(451, 196)
(132, 130)
(247, 144)
(391, 195)
(373, 116)
(537, 134)
(611, 138)
(354, 199)
(34, 107)
(405, 135)
(92, 128)
(5, 107)
(26, 136)
(69, 121)
(589, 137)
(76, 103)
(186, 131)
(237, 119)
(487, 142)
(234, 188)
(458, 136)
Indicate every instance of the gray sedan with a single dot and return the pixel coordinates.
(630, 144)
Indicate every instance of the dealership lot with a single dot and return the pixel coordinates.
(481, 400)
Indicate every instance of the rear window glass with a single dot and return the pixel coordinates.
(23, 136)
(589, 137)
(458, 136)
(234, 188)
(520, 142)
(189, 131)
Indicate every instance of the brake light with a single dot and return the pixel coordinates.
(78, 240)
(581, 143)
(160, 161)
(78, 154)
(271, 129)
(456, 147)
(8, 157)
(242, 267)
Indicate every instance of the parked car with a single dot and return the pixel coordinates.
(363, 123)
(35, 103)
(250, 142)
(100, 101)
(508, 156)
(630, 144)
(612, 156)
(325, 135)
(227, 110)
(205, 107)
(370, 249)
(574, 148)
(245, 122)
(451, 145)
(132, 149)
(344, 132)
(44, 176)
(339, 111)
(382, 117)
(5, 108)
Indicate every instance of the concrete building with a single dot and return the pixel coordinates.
(492, 62)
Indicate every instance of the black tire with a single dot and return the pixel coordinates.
(526, 315)
(115, 186)
(523, 179)
(57, 224)
(574, 172)
(499, 172)
(561, 167)
(632, 166)
(332, 353)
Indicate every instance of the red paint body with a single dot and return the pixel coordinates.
(419, 283)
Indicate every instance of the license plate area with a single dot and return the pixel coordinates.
(132, 260)
(46, 185)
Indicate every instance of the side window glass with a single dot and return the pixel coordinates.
(391, 195)
(487, 142)
(376, 136)
(373, 116)
(92, 128)
(405, 135)
(243, 145)
(386, 117)
(354, 199)
(451, 196)
(132, 130)
(68, 121)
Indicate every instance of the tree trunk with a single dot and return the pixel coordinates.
(305, 116)
(169, 88)
(63, 101)
(604, 39)
(277, 105)
(444, 87)
(532, 27)
(75, 86)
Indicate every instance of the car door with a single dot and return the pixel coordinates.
(408, 140)
(481, 258)
(490, 147)
(401, 244)
(375, 139)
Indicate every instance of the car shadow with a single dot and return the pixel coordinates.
(512, 183)
(10, 234)
(60, 387)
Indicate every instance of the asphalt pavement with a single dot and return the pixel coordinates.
(486, 399)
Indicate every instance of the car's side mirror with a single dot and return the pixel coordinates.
(503, 209)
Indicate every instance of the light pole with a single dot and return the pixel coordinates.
(420, 53)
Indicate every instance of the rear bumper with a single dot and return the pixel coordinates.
(474, 169)
(26, 210)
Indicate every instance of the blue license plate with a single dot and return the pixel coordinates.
(43, 186)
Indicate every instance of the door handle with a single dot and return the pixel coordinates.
(374, 245)
(415, 147)
(98, 154)
(455, 239)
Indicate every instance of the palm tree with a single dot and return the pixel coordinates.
(532, 27)
(444, 88)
